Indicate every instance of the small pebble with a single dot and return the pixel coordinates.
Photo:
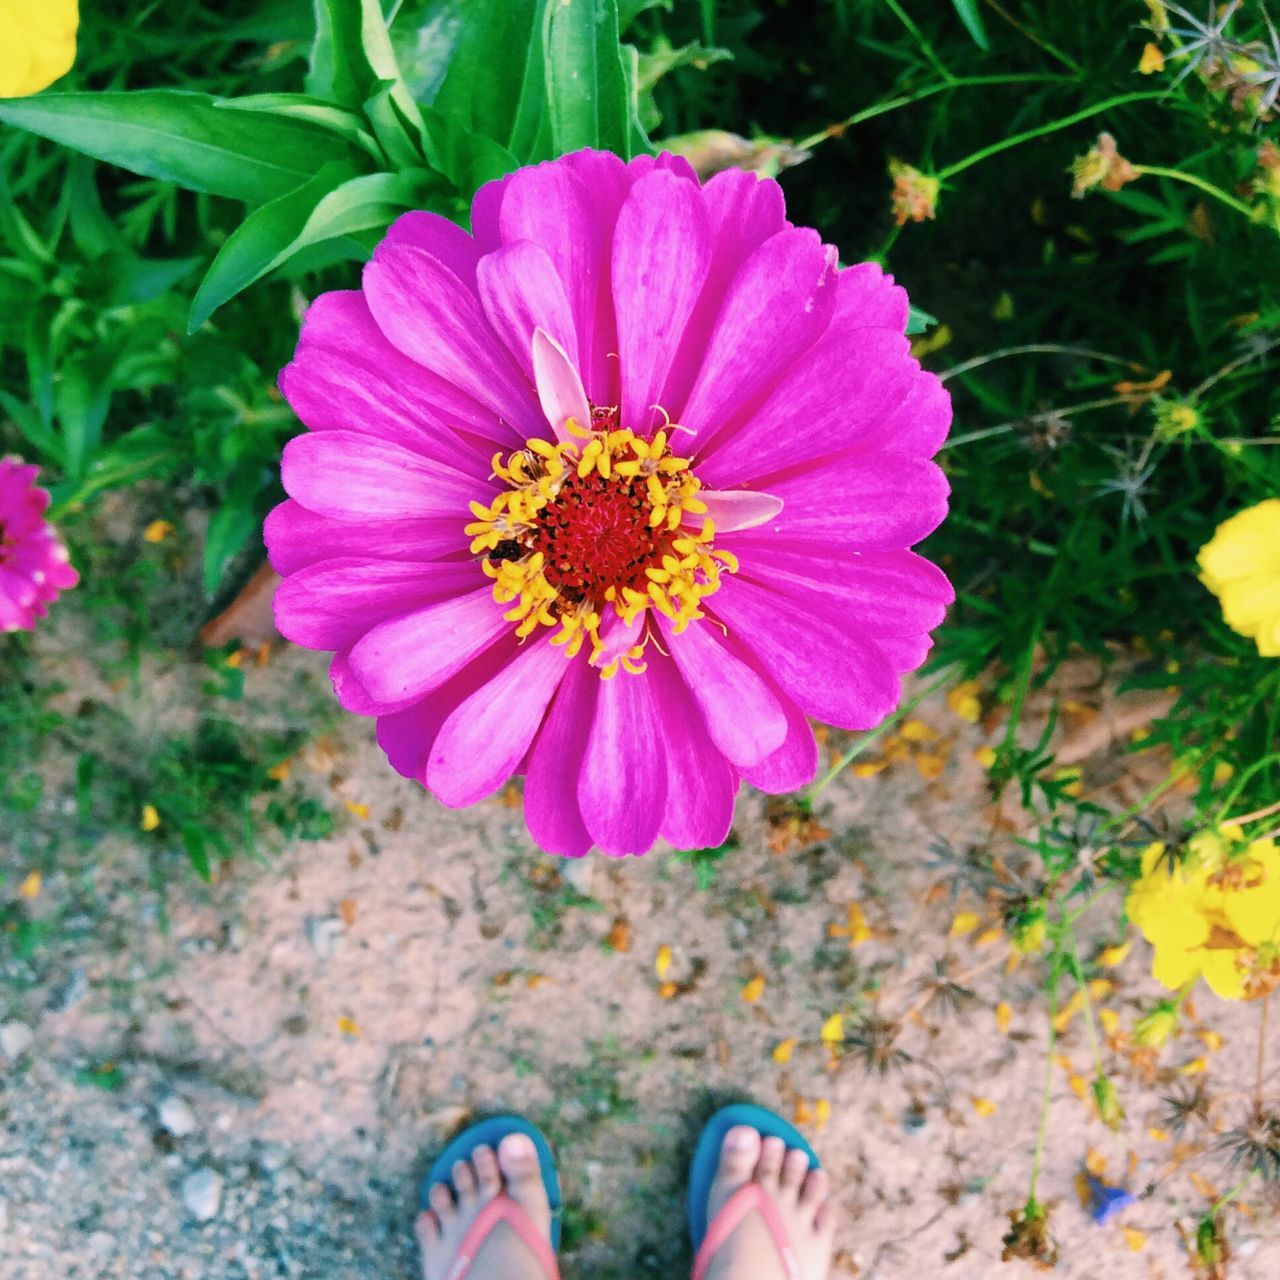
(325, 934)
(15, 1039)
(176, 1116)
(202, 1193)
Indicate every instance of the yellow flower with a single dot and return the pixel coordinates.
(1152, 59)
(1214, 912)
(37, 44)
(1240, 564)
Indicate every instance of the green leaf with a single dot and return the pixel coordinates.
(230, 528)
(918, 321)
(297, 106)
(467, 159)
(972, 19)
(188, 138)
(333, 203)
(588, 97)
(353, 58)
(38, 434)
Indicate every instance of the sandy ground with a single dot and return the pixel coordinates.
(331, 1015)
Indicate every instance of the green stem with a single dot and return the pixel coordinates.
(925, 47)
(909, 99)
(1226, 1199)
(1201, 184)
(1077, 971)
(1043, 1132)
(868, 738)
(1042, 130)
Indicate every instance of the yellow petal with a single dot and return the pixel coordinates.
(663, 962)
(833, 1030)
(157, 531)
(783, 1050)
(964, 922)
(348, 1026)
(985, 755)
(37, 44)
(988, 937)
(150, 818)
(1135, 1239)
(1004, 1017)
(1112, 956)
(753, 989)
(983, 1106)
(30, 887)
(1152, 59)
(821, 1113)
(355, 807)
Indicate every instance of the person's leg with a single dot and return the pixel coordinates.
(801, 1195)
(504, 1256)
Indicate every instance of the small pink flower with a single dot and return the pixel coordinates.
(34, 566)
(615, 492)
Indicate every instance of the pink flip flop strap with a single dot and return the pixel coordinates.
(749, 1199)
(503, 1209)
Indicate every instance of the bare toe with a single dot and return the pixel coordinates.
(518, 1159)
(441, 1200)
(739, 1154)
(794, 1166)
(488, 1175)
(464, 1181)
(816, 1186)
(769, 1167)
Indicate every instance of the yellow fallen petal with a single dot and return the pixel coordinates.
(983, 1106)
(355, 807)
(1158, 1135)
(963, 699)
(348, 1026)
(1152, 59)
(754, 989)
(783, 1050)
(985, 755)
(1196, 1067)
(833, 1030)
(667, 990)
(964, 922)
(30, 887)
(868, 768)
(1212, 1040)
(663, 962)
(279, 772)
(858, 929)
(1079, 1085)
(988, 937)
(803, 1113)
(1095, 1162)
(821, 1114)
(1135, 1239)
(1004, 1017)
(1110, 1020)
(150, 818)
(930, 765)
(1112, 956)
(1100, 987)
(917, 731)
(157, 531)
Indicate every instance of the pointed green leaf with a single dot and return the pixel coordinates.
(334, 203)
(967, 10)
(588, 97)
(187, 138)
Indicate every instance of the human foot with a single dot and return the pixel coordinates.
(503, 1255)
(799, 1194)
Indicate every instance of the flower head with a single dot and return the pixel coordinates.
(614, 492)
(1101, 166)
(1213, 911)
(37, 44)
(915, 194)
(34, 566)
(1240, 564)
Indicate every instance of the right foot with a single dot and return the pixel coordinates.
(801, 1195)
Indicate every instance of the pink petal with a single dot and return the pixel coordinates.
(354, 477)
(777, 306)
(296, 537)
(732, 509)
(616, 637)
(743, 717)
(838, 394)
(551, 786)
(881, 593)
(919, 425)
(833, 674)
(408, 735)
(862, 502)
(442, 239)
(622, 791)
(550, 205)
(793, 764)
(486, 737)
(522, 293)
(330, 605)
(430, 315)
(701, 784)
(661, 254)
(559, 388)
(745, 211)
(353, 696)
(346, 375)
(869, 296)
(904, 653)
(409, 656)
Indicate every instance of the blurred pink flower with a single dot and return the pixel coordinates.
(34, 566)
(614, 492)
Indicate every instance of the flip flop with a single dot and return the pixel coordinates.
(502, 1208)
(751, 1198)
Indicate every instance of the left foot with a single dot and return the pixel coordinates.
(513, 1169)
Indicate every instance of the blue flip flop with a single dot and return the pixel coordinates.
(488, 1133)
(706, 1159)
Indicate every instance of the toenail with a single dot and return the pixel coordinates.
(519, 1145)
(741, 1140)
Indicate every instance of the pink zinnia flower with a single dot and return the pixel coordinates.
(615, 492)
(34, 565)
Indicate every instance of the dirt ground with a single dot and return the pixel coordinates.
(304, 1033)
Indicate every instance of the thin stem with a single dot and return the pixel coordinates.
(1042, 130)
(1254, 816)
(1043, 1132)
(1077, 971)
(1035, 39)
(869, 737)
(925, 47)
(1003, 428)
(1201, 184)
(1225, 1200)
(919, 95)
(1262, 1054)
(1030, 349)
